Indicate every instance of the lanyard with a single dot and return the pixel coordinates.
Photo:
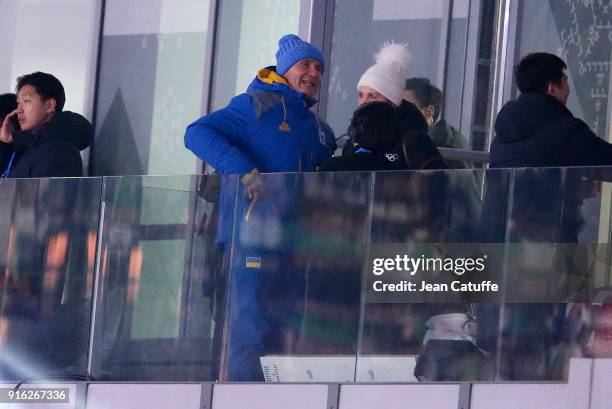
(7, 171)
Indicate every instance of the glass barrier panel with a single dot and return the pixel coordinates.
(557, 264)
(494, 216)
(422, 218)
(293, 305)
(162, 285)
(47, 255)
(206, 278)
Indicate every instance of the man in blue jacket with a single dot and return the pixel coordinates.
(268, 129)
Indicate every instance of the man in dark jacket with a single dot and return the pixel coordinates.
(537, 129)
(429, 100)
(44, 141)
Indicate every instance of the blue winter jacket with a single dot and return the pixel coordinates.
(270, 127)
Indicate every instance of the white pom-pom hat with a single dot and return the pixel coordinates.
(389, 73)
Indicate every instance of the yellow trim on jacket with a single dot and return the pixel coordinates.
(270, 77)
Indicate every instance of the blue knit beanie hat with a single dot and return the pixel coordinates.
(292, 49)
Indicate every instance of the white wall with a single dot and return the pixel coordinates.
(55, 36)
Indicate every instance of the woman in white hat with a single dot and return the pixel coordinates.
(384, 81)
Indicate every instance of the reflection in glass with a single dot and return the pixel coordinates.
(430, 341)
(158, 314)
(46, 280)
(548, 232)
(295, 281)
(179, 253)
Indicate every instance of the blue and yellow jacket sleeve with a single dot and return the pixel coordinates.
(217, 138)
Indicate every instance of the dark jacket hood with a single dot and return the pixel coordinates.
(520, 119)
(66, 126)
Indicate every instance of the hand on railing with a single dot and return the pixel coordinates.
(253, 186)
(253, 189)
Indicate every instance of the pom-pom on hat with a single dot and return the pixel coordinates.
(292, 49)
(389, 73)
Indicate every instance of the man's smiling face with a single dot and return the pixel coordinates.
(305, 76)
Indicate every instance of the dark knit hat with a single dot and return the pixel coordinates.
(292, 49)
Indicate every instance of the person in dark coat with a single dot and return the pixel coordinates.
(45, 141)
(375, 128)
(404, 143)
(417, 149)
(537, 129)
(428, 100)
(384, 82)
(536, 206)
